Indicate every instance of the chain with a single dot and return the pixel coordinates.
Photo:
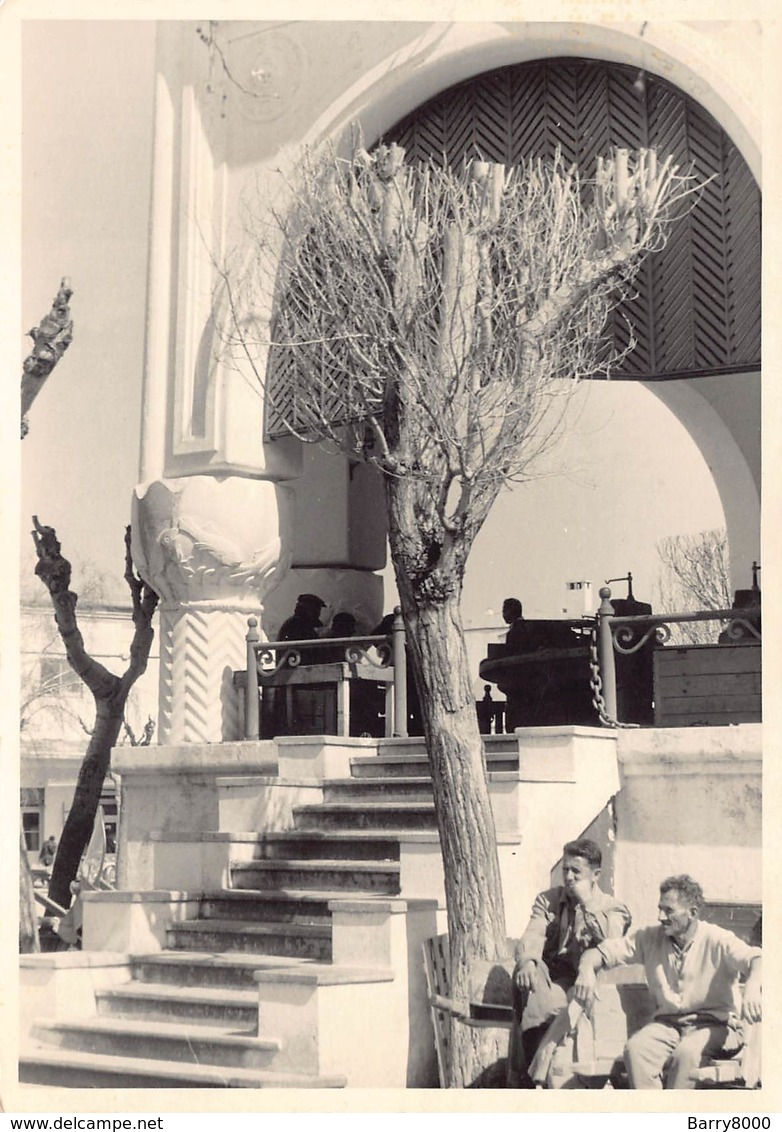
(596, 684)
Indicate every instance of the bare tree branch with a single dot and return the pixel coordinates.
(55, 572)
(694, 575)
(52, 337)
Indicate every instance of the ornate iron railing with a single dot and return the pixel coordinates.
(628, 634)
(269, 659)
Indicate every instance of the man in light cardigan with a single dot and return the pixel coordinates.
(693, 970)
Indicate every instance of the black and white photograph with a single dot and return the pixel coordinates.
(385, 693)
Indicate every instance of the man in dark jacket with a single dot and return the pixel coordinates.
(565, 922)
(304, 622)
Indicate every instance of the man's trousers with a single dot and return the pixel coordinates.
(664, 1053)
(533, 1010)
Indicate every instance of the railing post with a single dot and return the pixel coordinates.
(400, 674)
(605, 650)
(252, 703)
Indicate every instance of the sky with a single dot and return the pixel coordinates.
(626, 474)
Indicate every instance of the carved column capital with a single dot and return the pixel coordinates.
(210, 541)
(212, 549)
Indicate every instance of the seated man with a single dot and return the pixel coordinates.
(692, 969)
(565, 921)
(342, 625)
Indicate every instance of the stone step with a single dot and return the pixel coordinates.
(390, 766)
(276, 907)
(348, 876)
(199, 969)
(75, 1069)
(367, 845)
(363, 815)
(161, 1041)
(208, 1006)
(307, 941)
(417, 766)
(391, 788)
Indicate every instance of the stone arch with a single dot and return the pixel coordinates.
(723, 425)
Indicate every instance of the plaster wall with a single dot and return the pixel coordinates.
(174, 789)
(133, 922)
(689, 802)
(722, 414)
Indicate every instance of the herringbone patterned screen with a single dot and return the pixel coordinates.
(697, 308)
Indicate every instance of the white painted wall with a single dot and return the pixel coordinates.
(689, 802)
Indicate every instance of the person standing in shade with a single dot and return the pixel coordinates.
(48, 851)
(304, 623)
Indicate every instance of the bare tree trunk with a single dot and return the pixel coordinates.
(28, 919)
(473, 889)
(78, 827)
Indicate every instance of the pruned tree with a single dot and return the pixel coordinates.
(110, 693)
(431, 322)
(51, 338)
(694, 575)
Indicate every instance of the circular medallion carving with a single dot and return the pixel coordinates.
(272, 73)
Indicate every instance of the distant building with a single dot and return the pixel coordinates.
(579, 601)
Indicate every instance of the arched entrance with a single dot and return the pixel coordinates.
(696, 314)
(697, 311)
(696, 318)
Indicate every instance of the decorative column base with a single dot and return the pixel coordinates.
(200, 648)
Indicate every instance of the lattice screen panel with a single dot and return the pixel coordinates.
(697, 306)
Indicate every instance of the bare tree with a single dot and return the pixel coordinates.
(51, 338)
(110, 693)
(694, 575)
(433, 324)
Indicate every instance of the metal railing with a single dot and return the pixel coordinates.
(627, 634)
(267, 659)
(610, 634)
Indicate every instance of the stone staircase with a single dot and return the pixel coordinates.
(189, 1015)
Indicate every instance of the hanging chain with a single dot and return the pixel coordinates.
(596, 684)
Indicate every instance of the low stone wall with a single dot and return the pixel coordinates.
(62, 984)
(689, 802)
(133, 921)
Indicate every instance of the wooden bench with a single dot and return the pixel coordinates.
(493, 1012)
